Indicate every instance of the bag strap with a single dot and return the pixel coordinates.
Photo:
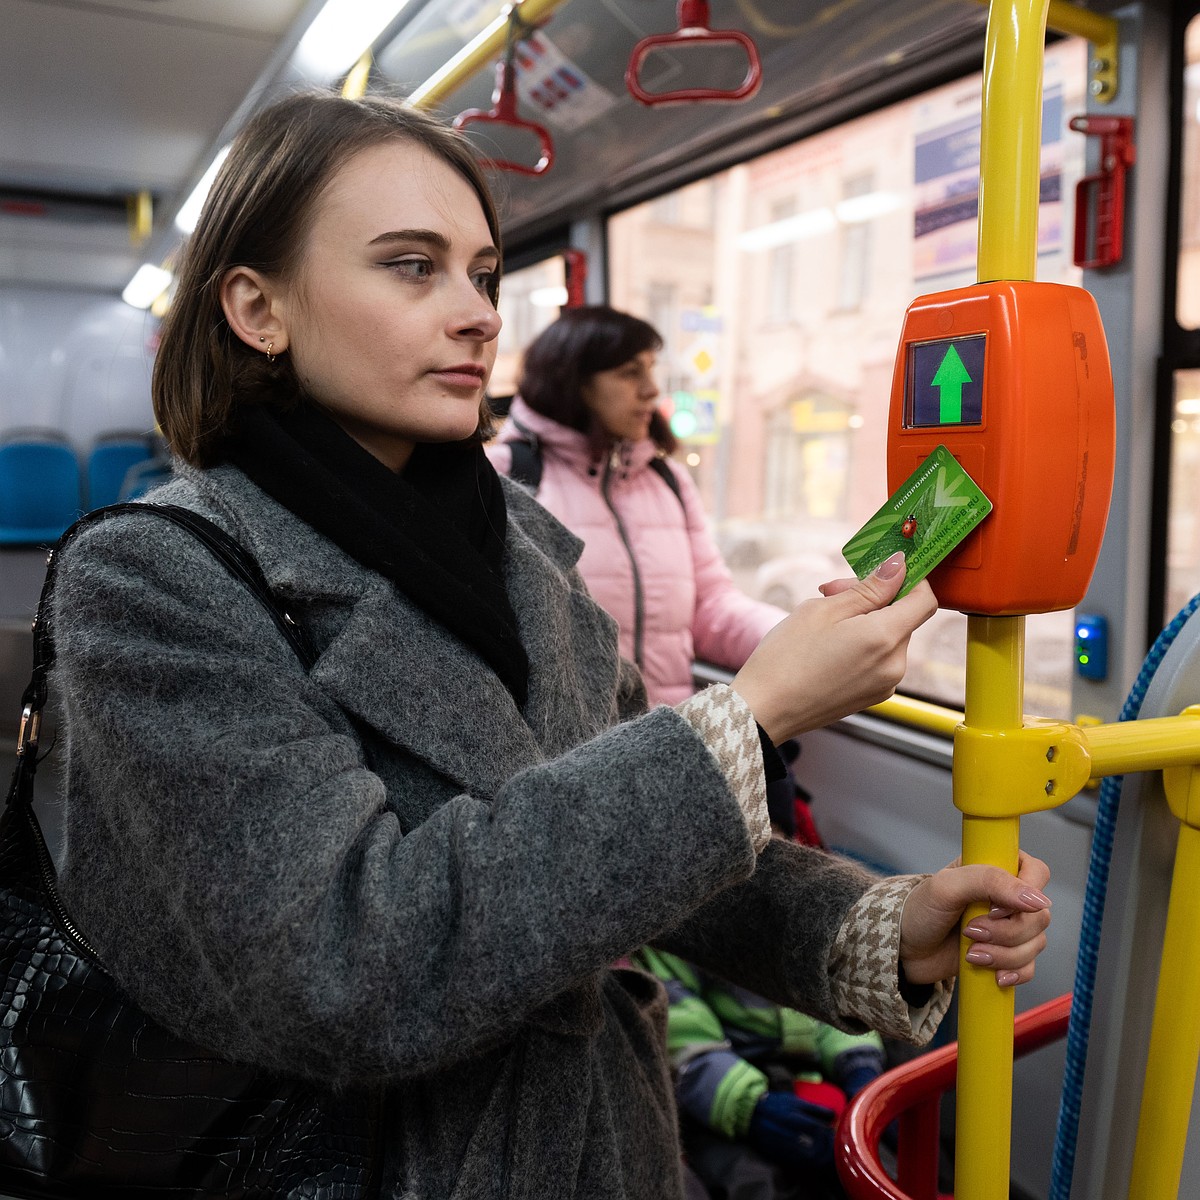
(526, 465)
(236, 560)
(661, 468)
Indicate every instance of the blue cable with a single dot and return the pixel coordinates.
(1079, 1026)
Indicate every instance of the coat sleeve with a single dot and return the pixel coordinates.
(236, 861)
(775, 932)
(814, 932)
(727, 623)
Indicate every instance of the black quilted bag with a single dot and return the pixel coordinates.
(98, 1101)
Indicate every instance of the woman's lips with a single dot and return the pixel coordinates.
(463, 375)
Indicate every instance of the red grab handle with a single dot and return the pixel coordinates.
(504, 112)
(576, 264)
(692, 16)
(1102, 195)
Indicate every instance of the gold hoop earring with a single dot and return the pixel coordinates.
(270, 354)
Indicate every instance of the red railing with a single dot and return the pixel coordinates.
(692, 17)
(504, 112)
(911, 1093)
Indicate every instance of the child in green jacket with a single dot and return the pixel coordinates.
(768, 1081)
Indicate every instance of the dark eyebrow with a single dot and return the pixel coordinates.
(427, 237)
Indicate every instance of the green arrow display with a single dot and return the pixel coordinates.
(949, 380)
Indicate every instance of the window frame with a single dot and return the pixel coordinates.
(1180, 345)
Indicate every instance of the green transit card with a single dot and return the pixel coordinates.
(926, 517)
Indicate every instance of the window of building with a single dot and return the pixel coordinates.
(781, 264)
(855, 224)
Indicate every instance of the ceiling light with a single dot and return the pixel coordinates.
(189, 214)
(146, 286)
(340, 33)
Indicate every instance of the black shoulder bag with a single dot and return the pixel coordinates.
(98, 1101)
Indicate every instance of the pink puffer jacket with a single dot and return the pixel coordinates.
(655, 569)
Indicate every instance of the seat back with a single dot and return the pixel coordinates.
(39, 488)
(110, 461)
(144, 475)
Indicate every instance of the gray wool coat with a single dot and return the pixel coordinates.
(384, 871)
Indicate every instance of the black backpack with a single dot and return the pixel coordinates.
(526, 467)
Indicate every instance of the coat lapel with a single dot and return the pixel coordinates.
(393, 667)
(570, 640)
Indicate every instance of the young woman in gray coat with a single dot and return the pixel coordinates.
(408, 867)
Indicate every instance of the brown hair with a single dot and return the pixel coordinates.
(581, 343)
(257, 215)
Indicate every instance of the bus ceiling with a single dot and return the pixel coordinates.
(139, 98)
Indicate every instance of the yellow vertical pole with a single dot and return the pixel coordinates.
(1010, 139)
(1174, 1037)
(1009, 173)
(983, 1107)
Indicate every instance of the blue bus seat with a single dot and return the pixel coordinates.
(39, 487)
(144, 475)
(110, 461)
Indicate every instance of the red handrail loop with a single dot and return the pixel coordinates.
(504, 112)
(692, 16)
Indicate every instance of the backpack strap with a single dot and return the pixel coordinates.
(526, 465)
(662, 469)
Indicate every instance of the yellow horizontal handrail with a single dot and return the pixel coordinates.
(1064, 17)
(1152, 744)
(483, 49)
(1148, 745)
(919, 714)
(1100, 30)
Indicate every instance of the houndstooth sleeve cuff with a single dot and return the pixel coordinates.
(724, 723)
(864, 966)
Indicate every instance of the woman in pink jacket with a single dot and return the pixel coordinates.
(586, 433)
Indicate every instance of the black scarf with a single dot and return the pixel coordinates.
(436, 530)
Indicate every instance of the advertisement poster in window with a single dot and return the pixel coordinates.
(946, 174)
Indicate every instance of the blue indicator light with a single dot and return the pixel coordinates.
(1091, 646)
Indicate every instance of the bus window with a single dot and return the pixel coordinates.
(530, 299)
(1187, 305)
(1183, 516)
(786, 306)
(1183, 521)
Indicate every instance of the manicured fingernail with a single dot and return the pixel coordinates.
(1029, 896)
(977, 932)
(890, 566)
(1007, 978)
(979, 956)
(1000, 913)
